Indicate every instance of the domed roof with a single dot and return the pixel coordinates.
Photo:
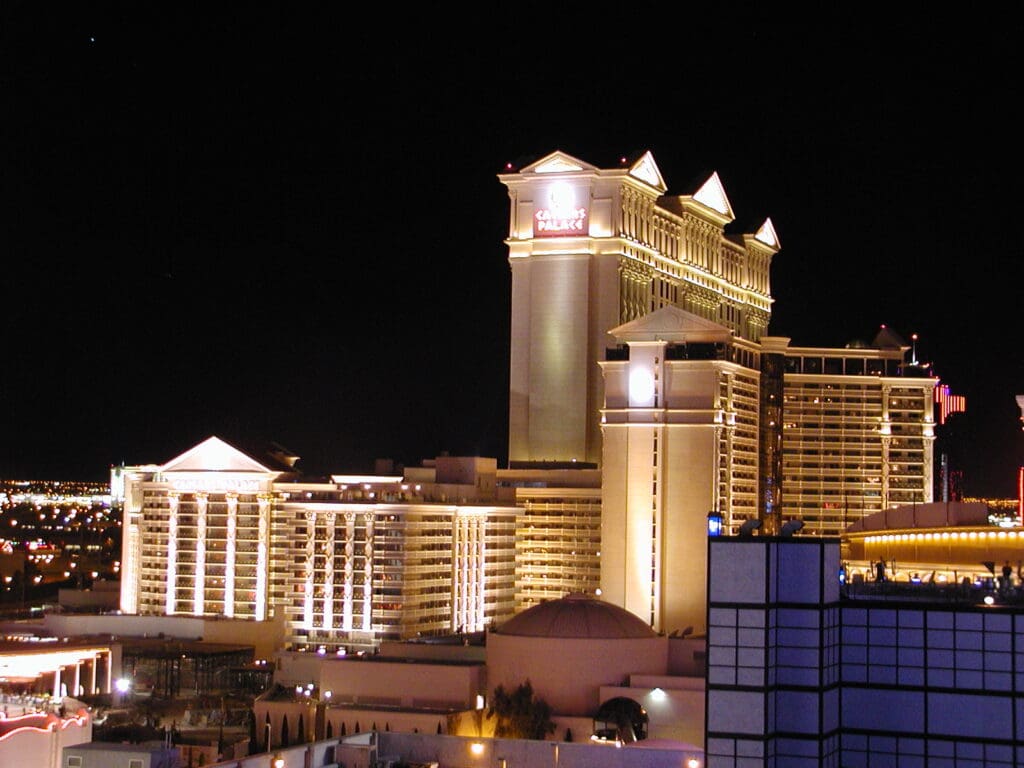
(576, 616)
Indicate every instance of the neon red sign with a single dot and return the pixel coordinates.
(561, 217)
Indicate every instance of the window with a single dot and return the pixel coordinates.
(74, 761)
(135, 762)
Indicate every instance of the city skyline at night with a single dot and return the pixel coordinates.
(303, 243)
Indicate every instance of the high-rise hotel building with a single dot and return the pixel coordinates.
(645, 393)
(348, 562)
(639, 344)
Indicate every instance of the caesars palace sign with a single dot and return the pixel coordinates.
(561, 217)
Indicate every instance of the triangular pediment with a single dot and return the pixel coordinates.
(214, 455)
(671, 324)
(767, 235)
(712, 194)
(647, 171)
(558, 162)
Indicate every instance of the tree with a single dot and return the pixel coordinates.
(520, 714)
(253, 742)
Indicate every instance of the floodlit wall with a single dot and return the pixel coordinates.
(568, 672)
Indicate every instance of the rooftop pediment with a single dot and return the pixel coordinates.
(558, 162)
(766, 234)
(647, 171)
(671, 324)
(710, 200)
(214, 455)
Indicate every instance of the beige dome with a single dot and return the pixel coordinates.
(576, 616)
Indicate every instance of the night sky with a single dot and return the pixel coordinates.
(272, 227)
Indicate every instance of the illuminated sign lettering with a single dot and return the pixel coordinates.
(562, 217)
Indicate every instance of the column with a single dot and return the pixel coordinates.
(465, 615)
(328, 621)
(199, 584)
(92, 673)
(368, 574)
(229, 555)
(481, 574)
(110, 672)
(461, 570)
(347, 588)
(56, 682)
(456, 571)
(130, 566)
(307, 603)
(77, 680)
(474, 591)
(262, 556)
(172, 553)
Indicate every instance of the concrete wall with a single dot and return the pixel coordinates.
(434, 652)
(514, 753)
(569, 673)
(362, 751)
(403, 683)
(84, 598)
(265, 636)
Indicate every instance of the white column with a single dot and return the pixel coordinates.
(473, 585)
(56, 682)
(481, 572)
(456, 570)
(172, 553)
(348, 588)
(199, 585)
(465, 616)
(130, 566)
(307, 604)
(368, 574)
(328, 622)
(229, 555)
(262, 557)
(77, 679)
(460, 527)
(92, 674)
(110, 672)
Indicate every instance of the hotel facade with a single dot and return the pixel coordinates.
(346, 563)
(645, 393)
(640, 346)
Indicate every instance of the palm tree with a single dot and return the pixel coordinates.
(520, 714)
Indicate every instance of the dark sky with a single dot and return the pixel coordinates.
(266, 226)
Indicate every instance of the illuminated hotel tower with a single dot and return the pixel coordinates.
(680, 438)
(593, 248)
(636, 318)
